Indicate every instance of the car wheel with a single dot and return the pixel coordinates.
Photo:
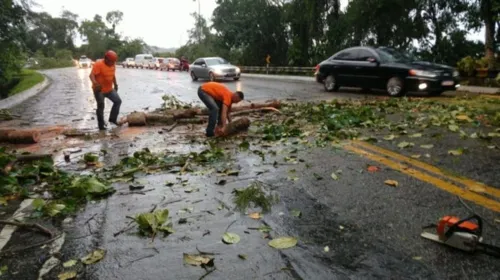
(211, 77)
(193, 77)
(435, 93)
(236, 78)
(331, 84)
(395, 86)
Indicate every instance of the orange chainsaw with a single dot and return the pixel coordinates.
(465, 234)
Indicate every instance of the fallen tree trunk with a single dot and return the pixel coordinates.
(21, 137)
(160, 118)
(262, 110)
(192, 121)
(274, 104)
(186, 115)
(237, 126)
(136, 119)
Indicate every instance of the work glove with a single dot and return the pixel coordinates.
(116, 88)
(98, 88)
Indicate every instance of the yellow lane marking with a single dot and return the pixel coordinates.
(451, 188)
(470, 184)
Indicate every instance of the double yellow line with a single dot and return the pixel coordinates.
(468, 189)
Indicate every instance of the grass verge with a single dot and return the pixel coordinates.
(27, 79)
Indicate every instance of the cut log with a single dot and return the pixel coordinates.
(160, 118)
(32, 157)
(23, 137)
(4, 134)
(237, 126)
(136, 119)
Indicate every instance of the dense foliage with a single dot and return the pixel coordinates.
(292, 32)
(305, 32)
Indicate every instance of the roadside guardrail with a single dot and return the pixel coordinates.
(277, 70)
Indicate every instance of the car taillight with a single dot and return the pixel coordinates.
(317, 68)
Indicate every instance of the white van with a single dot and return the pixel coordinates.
(143, 60)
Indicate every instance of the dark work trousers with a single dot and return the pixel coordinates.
(214, 111)
(115, 110)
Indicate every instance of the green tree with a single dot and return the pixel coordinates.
(247, 31)
(12, 27)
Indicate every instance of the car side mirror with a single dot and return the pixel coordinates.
(204, 65)
(372, 60)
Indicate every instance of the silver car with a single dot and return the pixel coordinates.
(213, 68)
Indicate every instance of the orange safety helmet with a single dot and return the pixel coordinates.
(111, 55)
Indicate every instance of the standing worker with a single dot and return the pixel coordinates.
(218, 100)
(103, 78)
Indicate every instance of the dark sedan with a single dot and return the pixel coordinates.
(385, 68)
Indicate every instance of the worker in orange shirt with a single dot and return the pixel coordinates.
(218, 100)
(103, 78)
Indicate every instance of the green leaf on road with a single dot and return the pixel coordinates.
(242, 256)
(244, 145)
(334, 176)
(151, 223)
(70, 263)
(295, 213)
(429, 146)
(52, 209)
(453, 127)
(230, 238)
(283, 242)
(457, 152)
(389, 137)
(94, 257)
(198, 260)
(405, 144)
(67, 275)
(416, 135)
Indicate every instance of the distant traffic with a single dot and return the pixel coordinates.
(369, 68)
(208, 68)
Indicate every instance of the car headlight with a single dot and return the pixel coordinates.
(456, 73)
(238, 70)
(218, 71)
(422, 73)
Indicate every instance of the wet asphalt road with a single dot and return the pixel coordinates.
(372, 230)
(69, 100)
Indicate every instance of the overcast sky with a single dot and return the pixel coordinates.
(162, 23)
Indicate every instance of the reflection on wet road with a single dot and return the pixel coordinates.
(69, 100)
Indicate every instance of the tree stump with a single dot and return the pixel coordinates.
(136, 119)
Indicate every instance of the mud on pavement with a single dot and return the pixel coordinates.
(314, 167)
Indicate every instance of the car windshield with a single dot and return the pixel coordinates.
(216, 61)
(392, 55)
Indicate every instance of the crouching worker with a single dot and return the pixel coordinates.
(218, 100)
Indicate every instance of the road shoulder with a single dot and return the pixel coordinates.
(20, 97)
